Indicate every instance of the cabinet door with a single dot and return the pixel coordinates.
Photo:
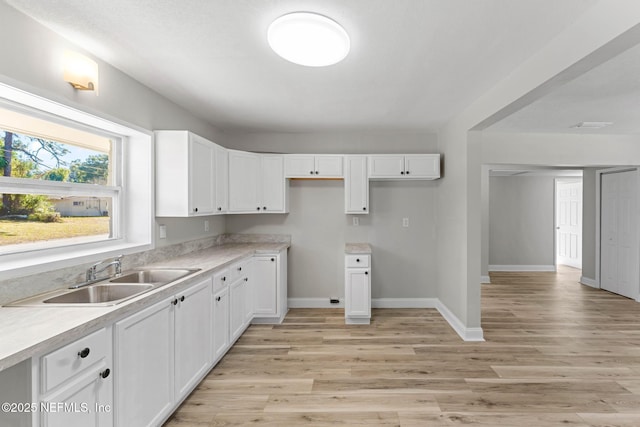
(356, 185)
(248, 292)
(192, 336)
(328, 166)
(236, 304)
(201, 175)
(383, 166)
(422, 166)
(222, 180)
(144, 349)
(265, 286)
(220, 323)
(244, 182)
(299, 166)
(357, 293)
(273, 184)
(86, 401)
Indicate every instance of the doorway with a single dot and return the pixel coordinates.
(568, 223)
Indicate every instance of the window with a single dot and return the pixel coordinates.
(58, 183)
(74, 187)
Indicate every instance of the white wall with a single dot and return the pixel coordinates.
(521, 212)
(404, 259)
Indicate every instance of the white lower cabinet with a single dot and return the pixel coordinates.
(162, 352)
(76, 383)
(270, 288)
(240, 298)
(357, 292)
(220, 327)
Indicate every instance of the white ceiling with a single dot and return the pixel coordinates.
(609, 92)
(413, 65)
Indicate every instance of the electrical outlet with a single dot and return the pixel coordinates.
(356, 221)
(163, 231)
(405, 222)
(334, 300)
(206, 225)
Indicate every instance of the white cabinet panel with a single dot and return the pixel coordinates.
(220, 323)
(358, 293)
(236, 307)
(144, 366)
(356, 185)
(422, 166)
(407, 166)
(387, 166)
(201, 175)
(244, 182)
(222, 180)
(265, 286)
(273, 185)
(192, 336)
(313, 166)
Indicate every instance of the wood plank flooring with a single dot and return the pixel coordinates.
(556, 353)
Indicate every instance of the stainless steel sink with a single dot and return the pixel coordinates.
(110, 291)
(160, 275)
(100, 294)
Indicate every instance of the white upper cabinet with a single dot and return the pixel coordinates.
(356, 185)
(313, 166)
(408, 166)
(185, 174)
(256, 183)
(222, 180)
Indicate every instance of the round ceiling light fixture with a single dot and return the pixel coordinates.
(308, 39)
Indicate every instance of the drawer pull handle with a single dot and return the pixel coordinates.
(218, 299)
(84, 352)
(105, 373)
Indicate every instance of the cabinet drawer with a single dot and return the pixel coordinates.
(357, 261)
(221, 279)
(62, 364)
(237, 270)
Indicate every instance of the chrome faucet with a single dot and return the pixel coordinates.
(92, 272)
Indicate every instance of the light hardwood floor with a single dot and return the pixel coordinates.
(556, 353)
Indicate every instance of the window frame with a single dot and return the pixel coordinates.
(131, 188)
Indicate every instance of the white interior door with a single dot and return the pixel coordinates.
(569, 223)
(619, 233)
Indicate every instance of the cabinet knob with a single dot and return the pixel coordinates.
(311, 172)
(407, 172)
(273, 259)
(366, 272)
(84, 352)
(364, 209)
(258, 208)
(239, 268)
(182, 298)
(174, 302)
(105, 373)
(219, 208)
(317, 172)
(246, 279)
(195, 209)
(357, 259)
(264, 208)
(224, 278)
(218, 299)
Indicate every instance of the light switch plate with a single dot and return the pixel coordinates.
(356, 221)
(163, 231)
(206, 225)
(405, 222)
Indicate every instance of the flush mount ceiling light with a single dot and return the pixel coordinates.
(308, 39)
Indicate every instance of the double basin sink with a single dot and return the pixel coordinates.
(110, 291)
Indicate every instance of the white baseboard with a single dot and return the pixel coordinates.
(589, 282)
(485, 279)
(313, 303)
(404, 302)
(467, 334)
(522, 268)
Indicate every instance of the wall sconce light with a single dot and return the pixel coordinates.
(80, 71)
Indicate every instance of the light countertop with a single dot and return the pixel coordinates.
(31, 331)
(357, 248)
